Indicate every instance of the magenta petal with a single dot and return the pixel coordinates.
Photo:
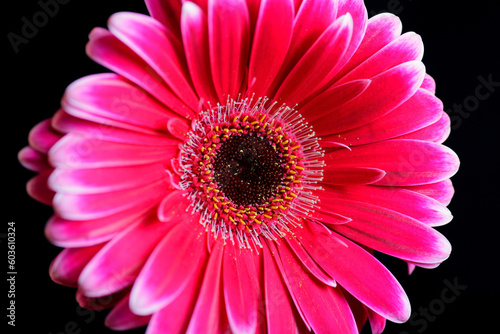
(437, 132)
(229, 38)
(308, 262)
(324, 307)
(377, 322)
(143, 34)
(332, 99)
(38, 189)
(109, 51)
(352, 175)
(93, 180)
(280, 309)
(423, 108)
(429, 84)
(194, 27)
(441, 191)
(319, 63)
(93, 206)
(400, 83)
(390, 232)
(67, 266)
(167, 12)
(422, 208)
(66, 123)
(406, 162)
(69, 233)
(208, 313)
(42, 137)
(179, 255)
(33, 160)
(272, 38)
(115, 267)
(99, 303)
(241, 289)
(97, 95)
(121, 317)
(77, 151)
(381, 29)
(357, 271)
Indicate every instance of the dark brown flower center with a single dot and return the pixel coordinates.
(248, 169)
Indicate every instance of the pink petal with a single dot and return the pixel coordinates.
(319, 63)
(107, 50)
(66, 123)
(67, 266)
(406, 162)
(324, 307)
(312, 19)
(99, 303)
(194, 28)
(357, 271)
(280, 309)
(115, 267)
(109, 97)
(143, 34)
(178, 128)
(387, 91)
(405, 48)
(208, 313)
(241, 289)
(437, 132)
(308, 263)
(441, 191)
(76, 151)
(93, 206)
(93, 181)
(352, 175)
(429, 84)
(390, 232)
(229, 38)
(175, 317)
(38, 189)
(42, 137)
(33, 160)
(377, 322)
(121, 317)
(381, 29)
(181, 254)
(69, 233)
(332, 99)
(422, 208)
(423, 109)
(272, 38)
(167, 12)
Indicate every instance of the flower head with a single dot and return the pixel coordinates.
(241, 165)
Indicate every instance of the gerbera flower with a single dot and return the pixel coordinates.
(241, 165)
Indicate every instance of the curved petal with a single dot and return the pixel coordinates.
(114, 267)
(107, 50)
(423, 108)
(194, 28)
(437, 132)
(324, 307)
(386, 91)
(33, 160)
(42, 137)
(241, 289)
(270, 45)
(229, 39)
(38, 189)
(441, 191)
(166, 12)
(68, 264)
(352, 175)
(143, 34)
(121, 318)
(179, 255)
(357, 271)
(406, 162)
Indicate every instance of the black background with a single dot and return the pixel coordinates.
(462, 43)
